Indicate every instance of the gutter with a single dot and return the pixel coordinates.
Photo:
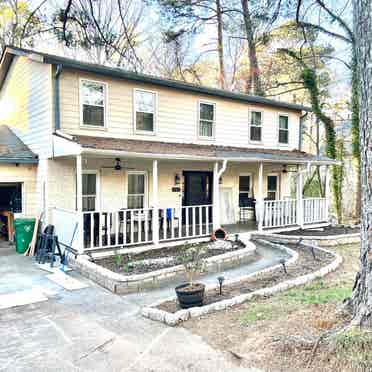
(57, 116)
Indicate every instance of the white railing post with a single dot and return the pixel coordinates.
(155, 203)
(327, 193)
(216, 198)
(79, 203)
(259, 199)
(300, 200)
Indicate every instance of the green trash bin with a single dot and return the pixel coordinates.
(24, 229)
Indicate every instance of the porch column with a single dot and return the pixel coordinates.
(300, 200)
(155, 203)
(216, 198)
(327, 192)
(79, 203)
(260, 198)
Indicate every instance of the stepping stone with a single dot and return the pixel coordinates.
(21, 298)
(66, 281)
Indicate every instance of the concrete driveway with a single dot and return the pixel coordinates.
(91, 329)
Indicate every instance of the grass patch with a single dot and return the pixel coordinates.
(354, 347)
(257, 312)
(317, 293)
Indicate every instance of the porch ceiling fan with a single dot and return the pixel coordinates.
(118, 166)
(285, 169)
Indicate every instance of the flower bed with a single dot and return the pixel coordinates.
(301, 268)
(142, 274)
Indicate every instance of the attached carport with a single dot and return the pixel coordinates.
(18, 168)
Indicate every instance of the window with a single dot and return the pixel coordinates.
(245, 191)
(93, 102)
(256, 126)
(144, 108)
(272, 187)
(89, 191)
(206, 119)
(136, 190)
(283, 129)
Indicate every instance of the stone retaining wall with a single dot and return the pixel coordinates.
(123, 284)
(173, 319)
(323, 241)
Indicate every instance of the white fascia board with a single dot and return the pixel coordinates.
(64, 147)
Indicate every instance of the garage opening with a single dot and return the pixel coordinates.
(10, 203)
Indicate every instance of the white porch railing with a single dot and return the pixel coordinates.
(185, 222)
(109, 229)
(279, 213)
(315, 210)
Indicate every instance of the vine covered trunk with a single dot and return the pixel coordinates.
(362, 293)
(220, 45)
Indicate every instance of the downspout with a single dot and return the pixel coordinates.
(57, 116)
(217, 173)
(222, 170)
(302, 120)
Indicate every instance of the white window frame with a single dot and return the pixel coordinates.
(250, 192)
(282, 143)
(277, 191)
(145, 195)
(139, 131)
(98, 187)
(207, 138)
(105, 106)
(250, 125)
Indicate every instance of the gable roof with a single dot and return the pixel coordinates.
(13, 150)
(212, 152)
(119, 73)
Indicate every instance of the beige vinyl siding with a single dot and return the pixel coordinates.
(177, 115)
(27, 97)
(26, 174)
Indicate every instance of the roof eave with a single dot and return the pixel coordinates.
(4, 160)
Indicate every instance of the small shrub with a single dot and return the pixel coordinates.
(118, 258)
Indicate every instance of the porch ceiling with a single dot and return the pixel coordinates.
(156, 149)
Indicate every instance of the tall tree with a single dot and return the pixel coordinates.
(182, 17)
(20, 23)
(362, 292)
(106, 30)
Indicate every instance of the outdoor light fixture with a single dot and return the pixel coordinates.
(236, 238)
(177, 179)
(313, 252)
(282, 261)
(220, 281)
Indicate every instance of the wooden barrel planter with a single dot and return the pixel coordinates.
(219, 234)
(190, 295)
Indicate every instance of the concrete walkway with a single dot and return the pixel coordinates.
(92, 329)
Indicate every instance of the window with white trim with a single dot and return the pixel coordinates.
(206, 119)
(272, 187)
(256, 126)
(283, 129)
(89, 191)
(136, 190)
(244, 190)
(93, 102)
(144, 110)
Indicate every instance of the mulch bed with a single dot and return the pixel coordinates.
(324, 231)
(121, 266)
(304, 265)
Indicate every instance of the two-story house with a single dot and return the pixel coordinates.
(125, 158)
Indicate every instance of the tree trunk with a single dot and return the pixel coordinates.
(362, 292)
(221, 77)
(254, 80)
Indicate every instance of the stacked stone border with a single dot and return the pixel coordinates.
(173, 319)
(124, 284)
(323, 241)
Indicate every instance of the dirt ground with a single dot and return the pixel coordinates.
(272, 334)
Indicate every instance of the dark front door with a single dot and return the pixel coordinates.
(198, 188)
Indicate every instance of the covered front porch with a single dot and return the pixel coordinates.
(126, 199)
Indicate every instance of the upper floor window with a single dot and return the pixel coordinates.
(256, 126)
(144, 108)
(283, 129)
(206, 119)
(93, 102)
